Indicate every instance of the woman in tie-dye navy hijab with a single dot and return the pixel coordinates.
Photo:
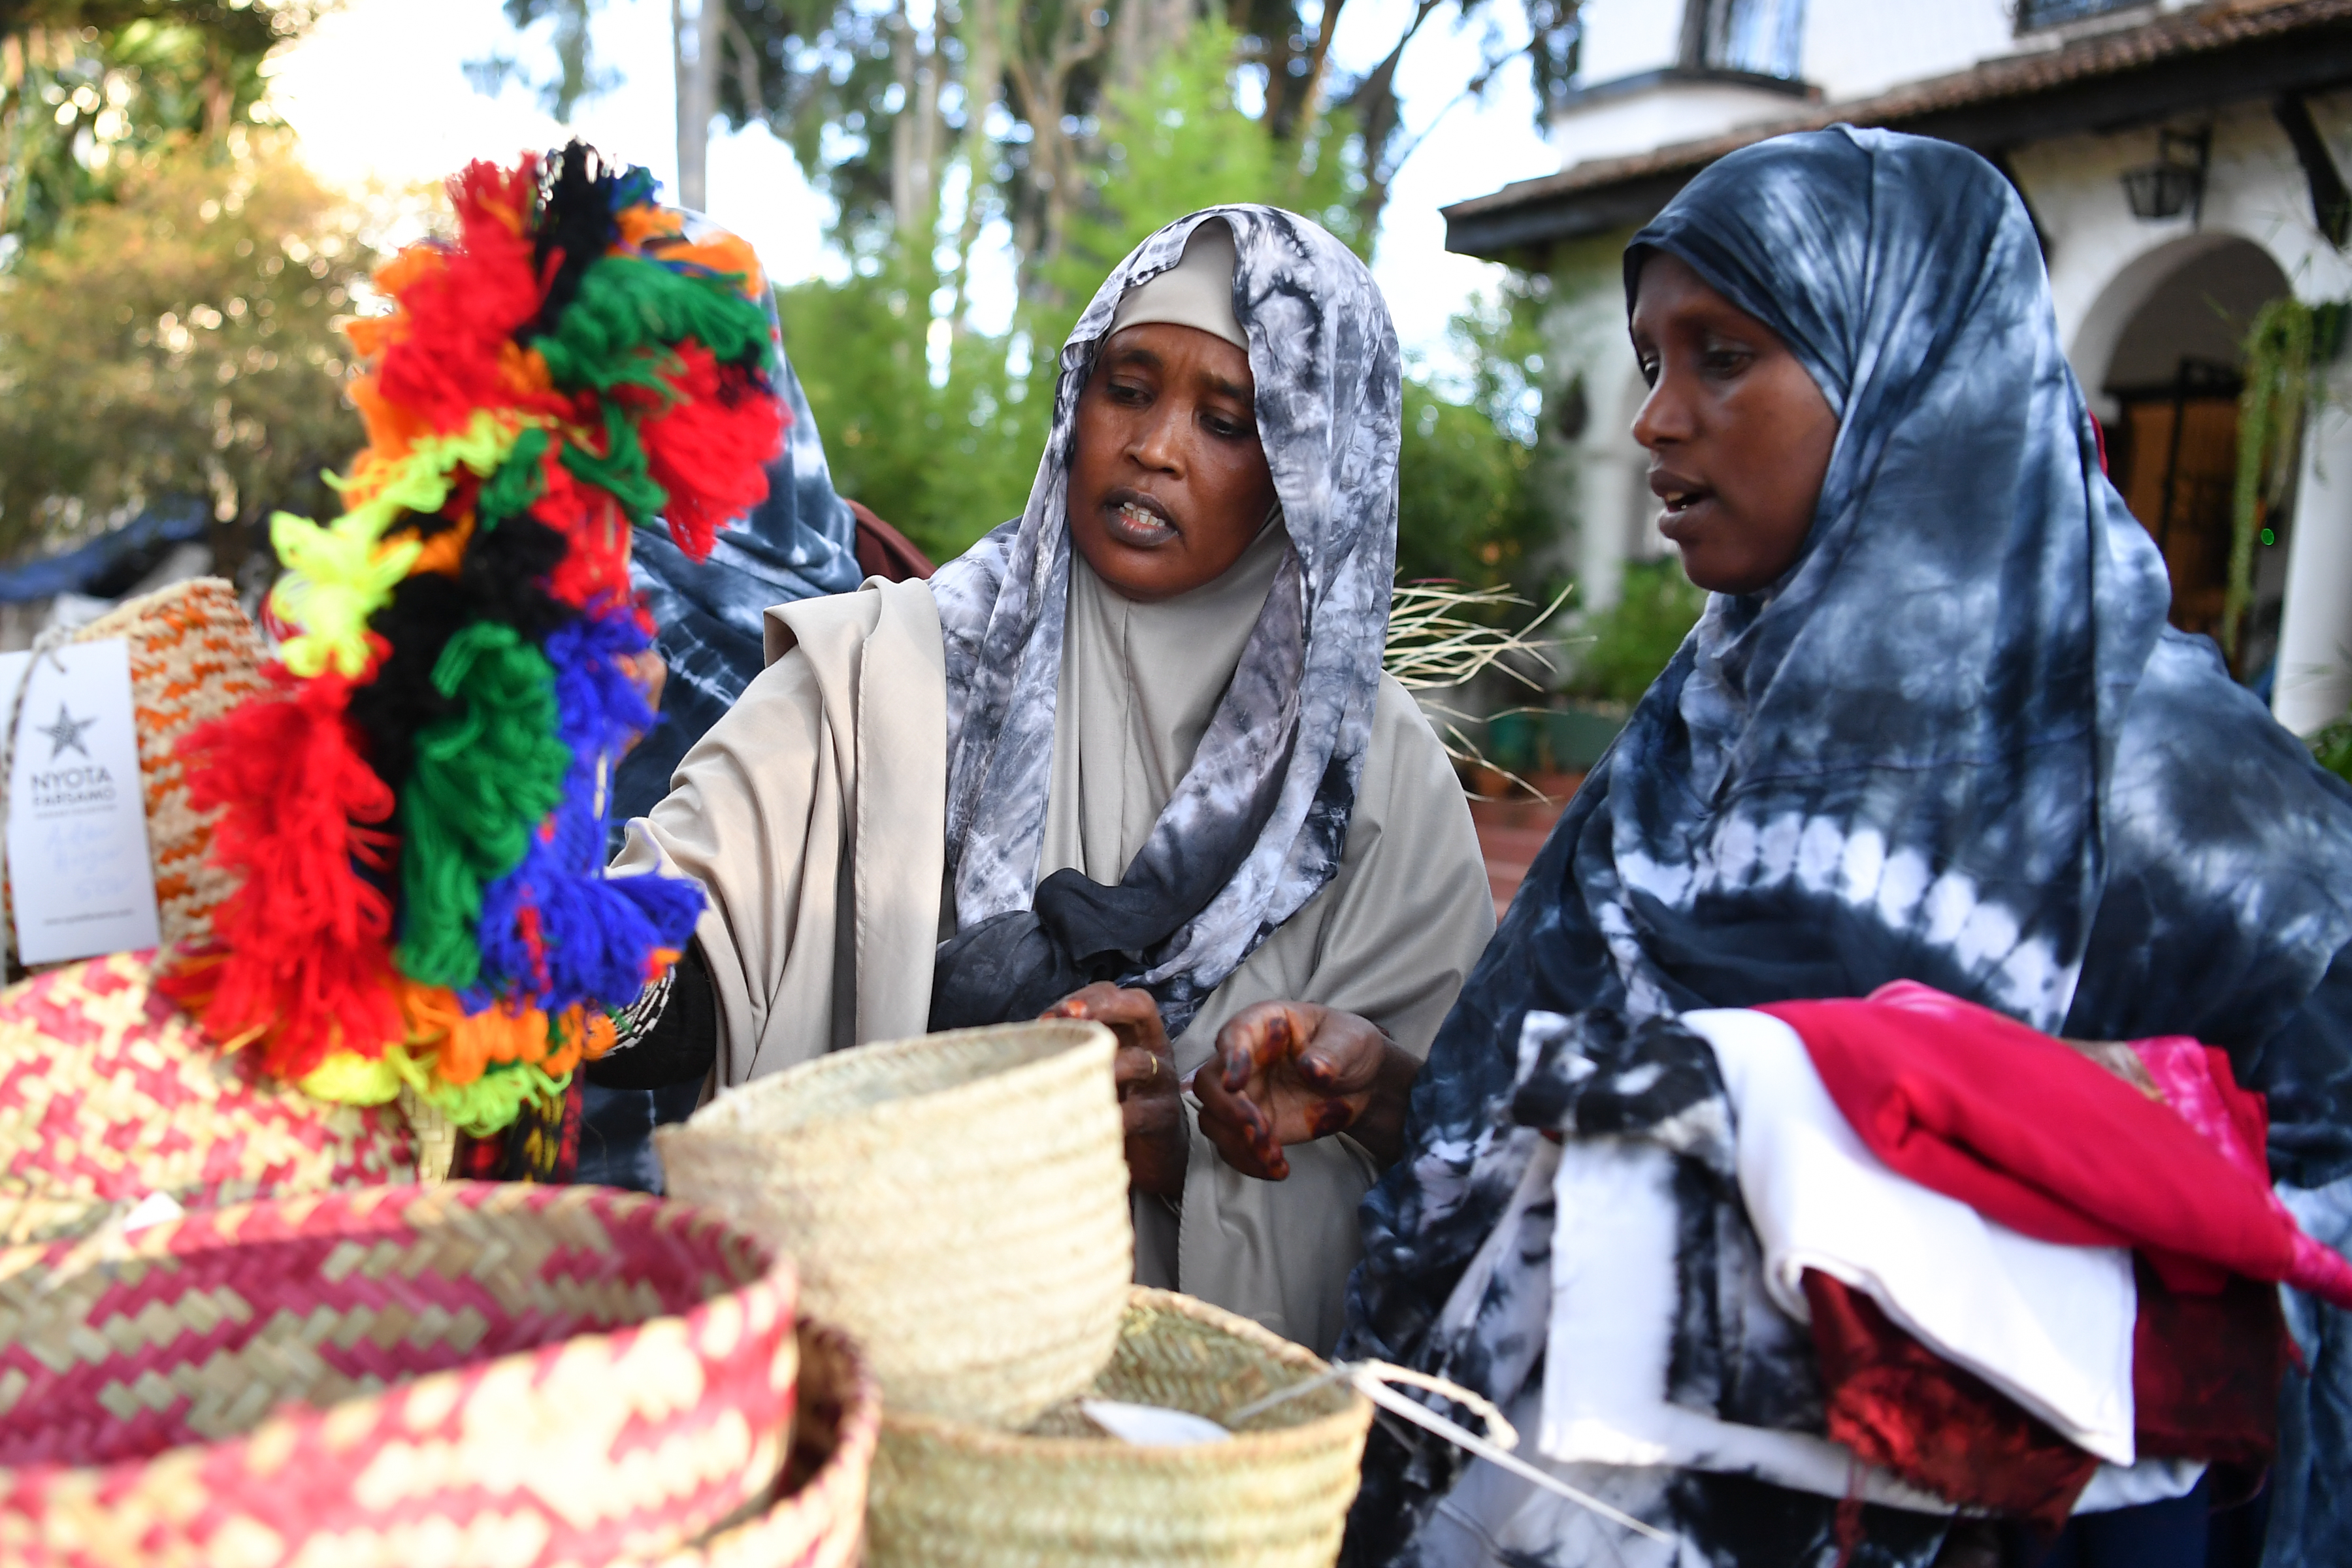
(1953, 741)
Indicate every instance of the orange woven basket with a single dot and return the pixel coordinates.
(473, 1374)
(195, 655)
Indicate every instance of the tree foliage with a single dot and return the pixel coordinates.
(1634, 639)
(939, 429)
(85, 85)
(177, 341)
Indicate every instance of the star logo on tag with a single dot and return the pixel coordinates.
(66, 731)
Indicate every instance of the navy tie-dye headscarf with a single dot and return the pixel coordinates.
(1956, 743)
(798, 543)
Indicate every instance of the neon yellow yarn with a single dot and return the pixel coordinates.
(349, 1079)
(339, 575)
(480, 1108)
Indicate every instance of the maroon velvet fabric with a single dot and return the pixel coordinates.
(1903, 1408)
(2206, 1371)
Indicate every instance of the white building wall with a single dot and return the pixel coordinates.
(1857, 47)
(1661, 115)
(1625, 37)
(2104, 264)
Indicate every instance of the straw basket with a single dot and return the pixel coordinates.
(108, 1092)
(195, 655)
(481, 1375)
(958, 1203)
(816, 1517)
(1276, 1496)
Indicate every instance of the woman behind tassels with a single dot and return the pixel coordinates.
(1131, 758)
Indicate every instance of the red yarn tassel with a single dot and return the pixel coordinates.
(595, 570)
(461, 317)
(302, 945)
(709, 449)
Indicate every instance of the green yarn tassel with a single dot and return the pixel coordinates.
(517, 483)
(622, 471)
(492, 1102)
(626, 305)
(484, 779)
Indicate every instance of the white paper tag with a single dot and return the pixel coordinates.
(1152, 1425)
(78, 876)
(155, 1208)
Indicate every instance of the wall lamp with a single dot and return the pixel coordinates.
(2175, 182)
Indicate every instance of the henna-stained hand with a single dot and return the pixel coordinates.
(1291, 1072)
(1145, 1072)
(649, 673)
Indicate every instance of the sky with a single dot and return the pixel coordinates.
(379, 93)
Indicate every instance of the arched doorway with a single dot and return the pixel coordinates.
(2172, 447)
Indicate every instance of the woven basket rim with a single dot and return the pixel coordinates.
(855, 1439)
(148, 1243)
(727, 1116)
(1276, 1443)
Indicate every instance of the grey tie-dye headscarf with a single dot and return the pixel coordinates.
(1256, 827)
(1955, 743)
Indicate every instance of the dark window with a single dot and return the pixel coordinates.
(2033, 14)
(1763, 37)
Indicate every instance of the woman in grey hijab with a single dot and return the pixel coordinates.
(1133, 758)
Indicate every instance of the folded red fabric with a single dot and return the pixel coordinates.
(2029, 1134)
(1902, 1407)
(2206, 1372)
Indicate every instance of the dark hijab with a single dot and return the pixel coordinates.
(1955, 742)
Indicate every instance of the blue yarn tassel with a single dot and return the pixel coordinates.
(595, 936)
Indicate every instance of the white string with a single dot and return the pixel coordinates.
(1371, 1379)
(45, 645)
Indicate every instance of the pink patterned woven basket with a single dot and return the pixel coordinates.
(815, 1517)
(474, 1375)
(109, 1092)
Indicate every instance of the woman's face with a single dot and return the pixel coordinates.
(1738, 435)
(1169, 483)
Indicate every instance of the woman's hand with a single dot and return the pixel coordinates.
(1291, 1072)
(647, 671)
(1145, 1072)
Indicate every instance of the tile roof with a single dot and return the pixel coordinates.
(2174, 37)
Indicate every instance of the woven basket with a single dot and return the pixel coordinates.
(483, 1374)
(195, 655)
(108, 1092)
(947, 1495)
(958, 1203)
(816, 1515)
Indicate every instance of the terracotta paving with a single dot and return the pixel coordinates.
(1511, 831)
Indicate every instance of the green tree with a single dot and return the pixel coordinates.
(1466, 505)
(939, 431)
(87, 86)
(177, 341)
(1634, 639)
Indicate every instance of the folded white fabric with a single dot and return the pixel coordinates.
(1603, 1413)
(1614, 1306)
(2050, 1326)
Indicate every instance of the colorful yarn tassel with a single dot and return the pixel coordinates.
(424, 904)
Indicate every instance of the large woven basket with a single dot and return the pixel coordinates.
(948, 1495)
(481, 1374)
(815, 1517)
(107, 1093)
(195, 655)
(958, 1203)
